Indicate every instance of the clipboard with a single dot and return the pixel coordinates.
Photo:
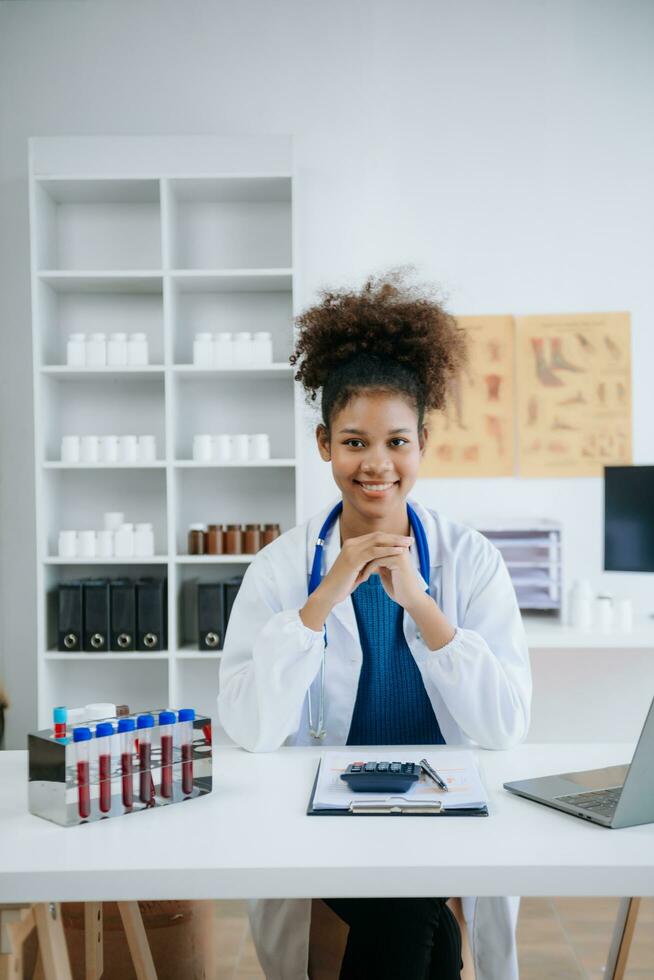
(371, 809)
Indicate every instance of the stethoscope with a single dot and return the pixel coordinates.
(316, 578)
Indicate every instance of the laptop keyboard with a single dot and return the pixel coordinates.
(603, 801)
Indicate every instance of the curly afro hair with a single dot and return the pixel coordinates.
(388, 336)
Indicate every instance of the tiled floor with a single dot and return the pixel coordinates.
(558, 939)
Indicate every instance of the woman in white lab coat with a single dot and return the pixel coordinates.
(446, 659)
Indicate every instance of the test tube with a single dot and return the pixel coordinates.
(146, 787)
(59, 719)
(166, 721)
(103, 732)
(186, 717)
(126, 727)
(81, 738)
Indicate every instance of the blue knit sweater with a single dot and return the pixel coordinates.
(392, 706)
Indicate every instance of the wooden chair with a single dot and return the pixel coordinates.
(18, 921)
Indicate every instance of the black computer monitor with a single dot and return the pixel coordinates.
(629, 518)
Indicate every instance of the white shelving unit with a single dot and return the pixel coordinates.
(169, 237)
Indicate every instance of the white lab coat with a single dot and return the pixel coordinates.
(479, 685)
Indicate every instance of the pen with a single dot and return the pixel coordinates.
(434, 775)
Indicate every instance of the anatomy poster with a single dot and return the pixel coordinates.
(474, 434)
(573, 393)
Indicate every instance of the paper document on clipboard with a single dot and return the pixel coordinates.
(457, 768)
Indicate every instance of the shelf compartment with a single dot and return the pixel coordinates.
(205, 405)
(101, 404)
(221, 496)
(78, 499)
(90, 224)
(79, 309)
(230, 222)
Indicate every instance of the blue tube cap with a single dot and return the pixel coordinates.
(104, 728)
(145, 721)
(60, 715)
(186, 714)
(126, 725)
(167, 718)
(81, 734)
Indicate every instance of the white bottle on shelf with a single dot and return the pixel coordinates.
(262, 352)
(76, 350)
(143, 541)
(260, 446)
(203, 350)
(222, 448)
(124, 541)
(147, 449)
(223, 350)
(70, 449)
(240, 447)
(67, 544)
(137, 350)
(96, 350)
(202, 448)
(86, 544)
(89, 449)
(128, 449)
(104, 544)
(242, 349)
(117, 350)
(108, 449)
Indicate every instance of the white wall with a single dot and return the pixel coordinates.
(505, 148)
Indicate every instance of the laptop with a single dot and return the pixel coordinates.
(618, 796)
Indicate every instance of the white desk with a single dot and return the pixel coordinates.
(250, 838)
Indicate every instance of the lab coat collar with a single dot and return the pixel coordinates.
(344, 611)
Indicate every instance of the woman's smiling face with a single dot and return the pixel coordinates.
(375, 450)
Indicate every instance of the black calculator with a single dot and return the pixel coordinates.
(381, 777)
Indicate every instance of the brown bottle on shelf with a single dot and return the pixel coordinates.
(214, 540)
(233, 539)
(196, 539)
(268, 533)
(252, 539)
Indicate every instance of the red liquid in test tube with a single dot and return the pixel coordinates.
(59, 719)
(186, 718)
(166, 721)
(126, 727)
(146, 786)
(103, 734)
(81, 738)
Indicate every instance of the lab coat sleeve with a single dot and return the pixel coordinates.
(268, 662)
(483, 673)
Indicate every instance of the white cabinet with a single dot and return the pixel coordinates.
(167, 238)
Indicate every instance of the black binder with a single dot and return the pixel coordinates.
(210, 615)
(69, 617)
(151, 614)
(122, 602)
(96, 616)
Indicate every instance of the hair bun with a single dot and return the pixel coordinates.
(385, 323)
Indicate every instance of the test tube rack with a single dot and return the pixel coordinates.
(54, 788)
